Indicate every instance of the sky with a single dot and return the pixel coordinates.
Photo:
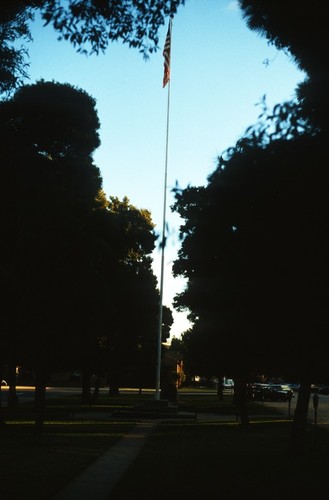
(220, 70)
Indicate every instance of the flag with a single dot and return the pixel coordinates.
(166, 55)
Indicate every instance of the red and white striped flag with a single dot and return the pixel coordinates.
(166, 55)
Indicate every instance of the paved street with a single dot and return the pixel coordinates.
(322, 416)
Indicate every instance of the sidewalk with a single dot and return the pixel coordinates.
(97, 481)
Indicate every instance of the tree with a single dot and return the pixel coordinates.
(88, 26)
(48, 132)
(77, 266)
(241, 201)
(129, 324)
(308, 45)
(299, 35)
(293, 27)
(13, 61)
(167, 322)
(253, 249)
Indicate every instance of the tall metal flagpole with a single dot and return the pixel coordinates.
(166, 80)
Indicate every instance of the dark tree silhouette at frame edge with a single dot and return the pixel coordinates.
(254, 251)
(48, 132)
(305, 39)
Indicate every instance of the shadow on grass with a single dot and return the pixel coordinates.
(189, 460)
(36, 467)
(200, 460)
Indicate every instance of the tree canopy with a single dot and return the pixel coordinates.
(88, 25)
(14, 26)
(48, 191)
(297, 27)
(77, 266)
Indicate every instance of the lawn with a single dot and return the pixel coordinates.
(215, 460)
(34, 467)
(188, 459)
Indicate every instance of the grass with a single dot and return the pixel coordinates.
(209, 460)
(189, 459)
(34, 468)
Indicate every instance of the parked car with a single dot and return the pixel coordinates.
(324, 390)
(257, 391)
(228, 383)
(294, 387)
(278, 392)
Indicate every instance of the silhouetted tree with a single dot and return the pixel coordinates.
(295, 28)
(266, 193)
(254, 252)
(78, 267)
(48, 132)
(302, 36)
(130, 311)
(14, 27)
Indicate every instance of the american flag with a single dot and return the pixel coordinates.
(166, 55)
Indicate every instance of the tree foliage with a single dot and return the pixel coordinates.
(88, 25)
(97, 22)
(254, 252)
(296, 27)
(48, 190)
(55, 121)
(125, 238)
(14, 20)
(77, 267)
(253, 246)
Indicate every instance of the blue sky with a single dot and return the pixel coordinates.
(218, 75)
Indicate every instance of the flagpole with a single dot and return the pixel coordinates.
(163, 241)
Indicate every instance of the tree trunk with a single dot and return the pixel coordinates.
(114, 390)
(86, 386)
(300, 418)
(12, 396)
(114, 381)
(2, 419)
(220, 388)
(240, 399)
(96, 388)
(40, 399)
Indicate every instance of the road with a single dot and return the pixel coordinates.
(322, 413)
